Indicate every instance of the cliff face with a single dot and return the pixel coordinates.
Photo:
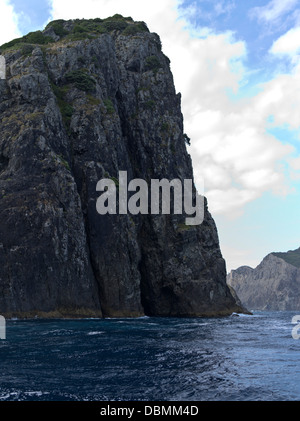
(273, 285)
(83, 100)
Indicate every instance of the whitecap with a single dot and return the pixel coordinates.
(241, 315)
(36, 393)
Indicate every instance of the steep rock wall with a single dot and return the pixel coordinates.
(79, 105)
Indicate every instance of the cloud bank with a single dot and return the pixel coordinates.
(8, 22)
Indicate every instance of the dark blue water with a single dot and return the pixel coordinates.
(234, 358)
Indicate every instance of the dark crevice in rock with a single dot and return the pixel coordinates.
(3, 163)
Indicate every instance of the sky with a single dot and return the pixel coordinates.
(237, 66)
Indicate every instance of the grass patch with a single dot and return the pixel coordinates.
(109, 106)
(92, 100)
(165, 127)
(150, 105)
(81, 79)
(114, 25)
(66, 109)
(184, 227)
(135, 28)
(37, 38)
(58, 28)
(152, 63)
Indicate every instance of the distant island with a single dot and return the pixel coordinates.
(273, 285)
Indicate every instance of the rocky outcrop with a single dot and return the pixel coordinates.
(273, 285)
(83, 100)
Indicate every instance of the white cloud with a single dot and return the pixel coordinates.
(8, 22)
(273, 11)
(289, 43)
(281, 98)
(230, 201)
(230, 146)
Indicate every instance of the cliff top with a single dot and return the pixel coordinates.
(77, 29)
(292, 257)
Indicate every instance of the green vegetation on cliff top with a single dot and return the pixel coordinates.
(292, 257)
(78, 29)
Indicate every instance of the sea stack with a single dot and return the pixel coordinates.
(82, 101)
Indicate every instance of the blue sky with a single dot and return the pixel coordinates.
(236, 63)
(33, 14)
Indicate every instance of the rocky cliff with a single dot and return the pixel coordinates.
(83, 100)
(273, 285)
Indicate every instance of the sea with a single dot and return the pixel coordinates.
(235, 358)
